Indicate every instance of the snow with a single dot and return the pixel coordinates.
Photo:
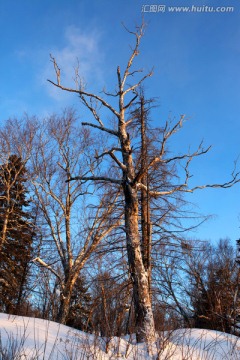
(29, 338)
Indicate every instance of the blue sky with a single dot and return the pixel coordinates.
(196, 60)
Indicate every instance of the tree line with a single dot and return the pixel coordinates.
(91, 219)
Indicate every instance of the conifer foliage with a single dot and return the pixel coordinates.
(16, 234)
(80, 306)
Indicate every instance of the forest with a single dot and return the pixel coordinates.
(92, 218)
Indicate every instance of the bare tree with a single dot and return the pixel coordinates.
(172, 287)
(200, 284)
(71, 230)
(130, 176)
(111, 300)
(214, 282)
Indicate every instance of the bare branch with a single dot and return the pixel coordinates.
(130, 102)
(135, 72)
(107, 152)
(96, 178)
(91, 108)
(110, 94)
(166, 135)
(77, 78)
(113, 132)
(133, 87)
(138, 34)
(199, 152)
(119, 77)
(81, 92)
(111, 153)
(183, 187)
(57, 69)
(225, 185)
(161, 193)
(42, 263)
(120, 164)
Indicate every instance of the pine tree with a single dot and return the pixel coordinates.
(80, 306)
(16, 234)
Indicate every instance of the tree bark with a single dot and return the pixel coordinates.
(145, 329)
(65, 299)
(145, 206)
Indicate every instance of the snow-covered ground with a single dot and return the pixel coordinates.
(28, 338)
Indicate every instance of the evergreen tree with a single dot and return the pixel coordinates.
(80, 306)
(16, 234)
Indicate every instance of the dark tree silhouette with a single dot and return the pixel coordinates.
(16, 234)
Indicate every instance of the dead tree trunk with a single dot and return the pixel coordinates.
(139, 275)
(141, 294)
(145, 201)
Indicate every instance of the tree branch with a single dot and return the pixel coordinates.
(183, 187)
(138, 34)
(130, 102)
(133, 87)
(111, 153)
(95, 178)
(81, 92)
(91, 108)
(120, 164)
(225, 185)
(113, 132)
(42, 263)
(106, 153)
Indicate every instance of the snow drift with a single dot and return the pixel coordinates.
(29, 338)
